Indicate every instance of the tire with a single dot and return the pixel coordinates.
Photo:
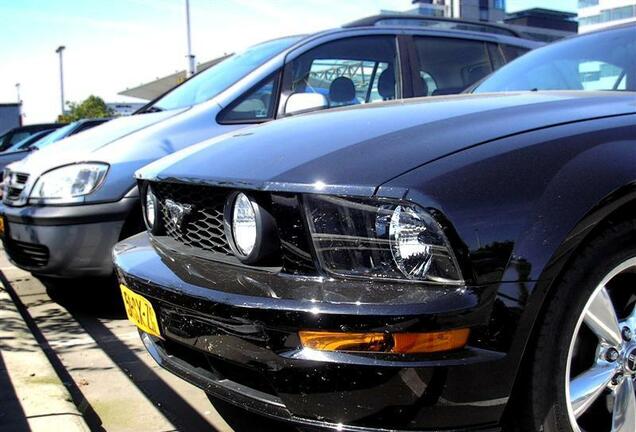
(564, 347)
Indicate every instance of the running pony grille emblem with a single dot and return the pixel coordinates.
(177, 212)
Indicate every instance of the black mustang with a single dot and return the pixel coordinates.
(457, 263)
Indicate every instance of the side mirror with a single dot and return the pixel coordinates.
(299, 103)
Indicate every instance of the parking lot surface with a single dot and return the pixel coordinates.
(97, 354)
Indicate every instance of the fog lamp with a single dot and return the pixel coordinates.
(150, 208)
(244, 229)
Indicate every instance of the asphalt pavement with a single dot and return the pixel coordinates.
(93, 364)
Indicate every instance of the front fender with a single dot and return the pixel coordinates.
(518, 206)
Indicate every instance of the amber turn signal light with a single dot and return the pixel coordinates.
(399, 343)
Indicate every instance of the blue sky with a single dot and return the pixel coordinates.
(115, 44)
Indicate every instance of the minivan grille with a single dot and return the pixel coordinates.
(14, 185)
(203, 227)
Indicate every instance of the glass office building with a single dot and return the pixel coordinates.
(597, 14)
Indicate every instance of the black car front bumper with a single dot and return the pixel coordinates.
(222, 336)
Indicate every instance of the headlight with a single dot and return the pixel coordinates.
(244, 224)
(68, 183)
(381, 240)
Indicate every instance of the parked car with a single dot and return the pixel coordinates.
(16, 135)
(82, 193)
(43, 139)
(456, 263)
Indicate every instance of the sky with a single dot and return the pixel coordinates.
(112, 45)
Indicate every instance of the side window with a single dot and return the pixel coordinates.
(255, 106)
(496, 56)
(598, 75)
(347, 72)
(19, 136)
(512, 52)
(451, 64)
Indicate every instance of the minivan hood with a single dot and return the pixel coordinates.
(83, 146)
(353, 151)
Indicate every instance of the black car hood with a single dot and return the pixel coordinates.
(353, 151)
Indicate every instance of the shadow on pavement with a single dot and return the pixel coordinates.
(12, 415)
(97, 298)
(89, 414)
(86, 300)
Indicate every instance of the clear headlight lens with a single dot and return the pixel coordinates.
(244, 224)
(419, 247)
(68, 183)
(381, 240)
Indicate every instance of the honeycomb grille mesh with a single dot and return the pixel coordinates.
(203, 227)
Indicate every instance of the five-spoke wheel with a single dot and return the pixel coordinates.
(601, 364)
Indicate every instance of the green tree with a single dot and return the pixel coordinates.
(92, 107)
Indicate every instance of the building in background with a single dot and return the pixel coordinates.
(434, 8)
(478, 10)
(10, 116)
(545, 25)
(156, 88)
(596, 14)
(473, 10)
(124, 108)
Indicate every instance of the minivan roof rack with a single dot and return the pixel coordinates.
(412, 20)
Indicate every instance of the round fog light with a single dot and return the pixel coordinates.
(150, 208)
(244, 224)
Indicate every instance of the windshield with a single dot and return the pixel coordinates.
(209, 83)
(27, 142)
(57, 135)
(599, 61)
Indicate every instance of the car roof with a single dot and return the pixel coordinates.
(362, 27)
(424, 31)
(376, 20)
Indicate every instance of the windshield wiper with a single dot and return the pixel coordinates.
(152, 109)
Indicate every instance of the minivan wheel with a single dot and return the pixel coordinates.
(584, 361)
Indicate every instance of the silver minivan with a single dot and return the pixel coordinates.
(65, 206)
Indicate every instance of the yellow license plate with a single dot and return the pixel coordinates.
(140, 311)
(1, 226)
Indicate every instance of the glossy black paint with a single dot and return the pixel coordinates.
(321, 153)
(248, 320)
(519, 181)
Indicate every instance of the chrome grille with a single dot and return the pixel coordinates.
(203, 228)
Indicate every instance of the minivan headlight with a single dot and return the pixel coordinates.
(380, 240)
(68, 183)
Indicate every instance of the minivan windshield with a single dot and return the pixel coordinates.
(54, 136)
(209, 83)
(605, 60)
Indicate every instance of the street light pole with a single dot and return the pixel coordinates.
(17, 89)
(59, 50)
(192, 67)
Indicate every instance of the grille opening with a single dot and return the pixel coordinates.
(201, 232)
(203, 227)
(15, 184)
(220, 369)
(240, 375)
(28, 254)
